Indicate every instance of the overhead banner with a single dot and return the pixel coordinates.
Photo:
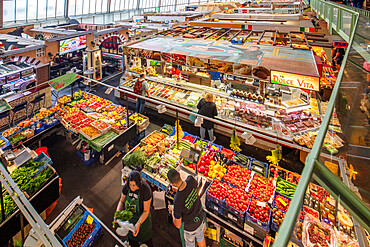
(63, 81)
(294, 80)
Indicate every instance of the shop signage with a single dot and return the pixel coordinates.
(340, 44)
(294, 80)
(63, 81)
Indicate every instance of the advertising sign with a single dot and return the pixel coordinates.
(73, 44)
(294, 80)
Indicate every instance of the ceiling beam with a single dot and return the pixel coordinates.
(249, 34)
(276, 33)
(199, 34)
(237, 33)
(215, 32)
(263, 33)
(228, 31)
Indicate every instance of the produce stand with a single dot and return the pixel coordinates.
(268, 188)
(64, 224)
(113, 145)
(45, 196)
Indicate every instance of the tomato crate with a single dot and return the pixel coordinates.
(263, 225)
(211, 198)
(276, 171)
(232, 162)
(93, 235)
(218, 209)
(186, 133)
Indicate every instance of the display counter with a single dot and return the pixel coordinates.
(241, 194)
(246, 113)
(37, 180)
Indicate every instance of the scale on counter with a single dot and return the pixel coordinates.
(191, 155)
(22, 157)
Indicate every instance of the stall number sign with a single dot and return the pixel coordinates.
(294, 80)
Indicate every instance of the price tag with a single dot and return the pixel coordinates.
(282, 201)
(232, 217)
(261, 204)
(89, 219)
(215, 208)
(248, 229)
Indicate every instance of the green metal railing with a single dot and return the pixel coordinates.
(344, 21)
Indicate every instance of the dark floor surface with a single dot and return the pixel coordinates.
(100, 185)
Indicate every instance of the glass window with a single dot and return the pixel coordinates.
(79, 6)
(93, 6)
(51, 8)
(31, 10)
(86, 7)
(60, 7)
(98, 6)
(41, 9)
(72, 7)
(21, 6)
(104, 6)
(8, 11)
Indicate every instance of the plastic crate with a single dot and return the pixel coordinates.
(42, 157)
(215, 207)
(39, 130)
(211, 198)
(160, 185)
(198, 138)
(186, 133)
(264, 163)
(293, 237)
(146, 176)
(7, 143)
(273, 202)
(249, 159)
(92, 237)
(264, 225)
(232, 162)
(232, 214)
(52, 124)
(92, 159)
(170, 134)
(274, 226)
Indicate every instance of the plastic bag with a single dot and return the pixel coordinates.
(124, 228)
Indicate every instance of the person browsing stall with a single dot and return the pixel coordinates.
(141, 88)
(207, 108)
(187, 212)
(136, 197)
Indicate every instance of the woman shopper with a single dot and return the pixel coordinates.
(141, 88)
(207, 108)
(136, 197)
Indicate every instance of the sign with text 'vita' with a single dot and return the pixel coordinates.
(294, 80)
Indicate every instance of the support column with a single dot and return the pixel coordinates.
(2, 13)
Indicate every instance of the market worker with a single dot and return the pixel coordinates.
(136, 197)
(187, 212)
(337, 56)
(207, 108)
(142, 88)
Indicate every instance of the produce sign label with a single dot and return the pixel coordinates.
(293, 80)
(63, 81)
(89, 219)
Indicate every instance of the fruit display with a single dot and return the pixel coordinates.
(285, 188)
(277, 216)
(100, 125)
(64, 99)
(10, 131)
(166, 129)
(259, 210)
(299, 230)
(281, 202)
(200, 143)
(137, 118)
(188, 138)
(154, 138)
(218, 189)
(210, 165)
(316, 233)
(26, 123)
(237, 198)
(80, 235)
(227, 153)
(90, 131)
(237, 176)
(262, 188)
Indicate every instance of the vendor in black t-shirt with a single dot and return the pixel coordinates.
(137, 197)
(187, 212)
